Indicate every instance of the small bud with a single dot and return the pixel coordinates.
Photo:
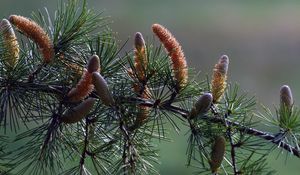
(140, 57)
(218, 83)
(223, 64)
(77, 113)
(10, 42)
(217, 153)
(6, 28)
(286, 97)
(93, 64)
(139, 41)
(202, 105)
(102, 89)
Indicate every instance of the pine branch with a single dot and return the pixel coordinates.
(118, 105)
(182, 112)
(232, 145)
(52, 127)
(85, 146)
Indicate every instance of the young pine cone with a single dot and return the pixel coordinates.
(202, 105)
(77, 113)
(218, 83)
(36, 33)
(102, 89)
(175, 52)
(217, 153)
(85, 86)
(10, 43)
(140, 57)
(286, 97)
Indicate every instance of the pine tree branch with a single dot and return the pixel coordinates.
(52, 127)
(128, 148)
(84, 150)
(218, 119)
(232, 145)
(59, 90)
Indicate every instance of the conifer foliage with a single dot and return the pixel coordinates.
(71, 103)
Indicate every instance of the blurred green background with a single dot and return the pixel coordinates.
(261, 38)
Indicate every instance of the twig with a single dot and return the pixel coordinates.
(32, 76)
(182, 112)
(248, 130)
(52, 127)
(232, 145)
(84, 150)
(229, 135)
(127, 148)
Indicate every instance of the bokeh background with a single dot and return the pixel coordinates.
(261, 38)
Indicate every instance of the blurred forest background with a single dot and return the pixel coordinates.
(261, 38)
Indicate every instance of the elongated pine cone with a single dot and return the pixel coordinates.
(94, 64)
(85, 85)
(36, 33)
(219, 78)
(286, 97)
(202, 105)
(175, 52)
(102, 90)
(10, 43)
(217, 153)
(77, 113)
(140, 64)
(140, 56)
